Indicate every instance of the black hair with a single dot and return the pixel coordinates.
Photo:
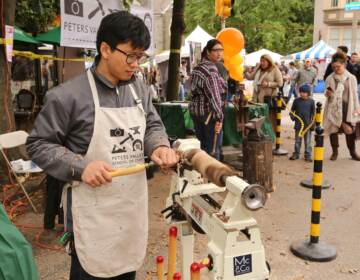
(343, 48)
(339, 57)
(209, 46)
(292, 63)
(121, 28)
(354, 53)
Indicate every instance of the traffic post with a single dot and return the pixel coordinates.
(314, 249)
(307, 183)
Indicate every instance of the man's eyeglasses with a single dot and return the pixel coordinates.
(132, 57)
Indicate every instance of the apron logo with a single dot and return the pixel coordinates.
(127, 138)
(117, 132)
(136, 129)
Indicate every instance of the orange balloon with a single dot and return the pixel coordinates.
(227, 64)
(236, 72)
(232, 40)
(237, 76)
(236, 60)
(229, 51)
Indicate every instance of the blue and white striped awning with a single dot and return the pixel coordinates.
(320, 50)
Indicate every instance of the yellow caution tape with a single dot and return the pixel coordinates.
(175, 51)
(7, 41)
(32, 55)
(303, 130)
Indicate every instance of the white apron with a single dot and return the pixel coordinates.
(110, 222)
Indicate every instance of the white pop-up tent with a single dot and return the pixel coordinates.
(198, 35)
(164, 56)
(253, 58)
(320, 50)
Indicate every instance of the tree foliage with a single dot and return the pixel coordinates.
(284, 26)
(35, 16)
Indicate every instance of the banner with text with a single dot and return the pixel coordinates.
(80, 19)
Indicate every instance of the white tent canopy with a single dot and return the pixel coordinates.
(164, 56)
(198, 35)
(320, 50)
(253, 58)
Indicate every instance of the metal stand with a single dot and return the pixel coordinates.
(317, 252)
(307, 183)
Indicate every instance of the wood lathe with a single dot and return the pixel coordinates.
(209, 197)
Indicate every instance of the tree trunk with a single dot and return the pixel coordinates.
(258, 163)
(7, 123)
(6, 113)
(177, 31)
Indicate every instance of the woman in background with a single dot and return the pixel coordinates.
(342, 109)
(208, 89)
(267, 81)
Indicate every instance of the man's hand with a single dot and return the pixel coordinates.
(164, 157)
(218, 126)
(96, 173)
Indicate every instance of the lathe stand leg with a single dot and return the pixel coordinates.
(187, 247)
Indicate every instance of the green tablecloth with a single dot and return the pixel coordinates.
(16, 258)
(177, 120)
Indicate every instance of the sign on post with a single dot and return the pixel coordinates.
(353, 6)
(80, 20)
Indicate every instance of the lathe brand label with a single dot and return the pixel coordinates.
(242, 265)
(196, 213)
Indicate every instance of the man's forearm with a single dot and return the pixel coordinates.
(57, 160)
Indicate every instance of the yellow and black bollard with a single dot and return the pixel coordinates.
(307, 183)
(315, 250)
(278, 151)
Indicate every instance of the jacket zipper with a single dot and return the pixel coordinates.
(117, 97)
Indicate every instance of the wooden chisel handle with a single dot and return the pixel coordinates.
(130, 170)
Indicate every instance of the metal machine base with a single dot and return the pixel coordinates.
(309, 184)
(318, 252)
(280, 152)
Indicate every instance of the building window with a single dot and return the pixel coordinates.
(334, 3)
(334, 36)
(357, 47)
(347, 34)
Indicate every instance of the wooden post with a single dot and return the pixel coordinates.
(177, 31)
(257, 163)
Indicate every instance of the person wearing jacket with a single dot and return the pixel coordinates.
(267, 81)
(349, 67)
(342, 109)
(91, 125)
(208, 91)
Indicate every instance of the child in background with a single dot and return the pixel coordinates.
(304, 107)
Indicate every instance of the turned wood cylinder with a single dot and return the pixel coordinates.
(258, 163)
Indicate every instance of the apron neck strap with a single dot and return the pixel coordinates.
(95, 94)
(136, 98)
(93, 88)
